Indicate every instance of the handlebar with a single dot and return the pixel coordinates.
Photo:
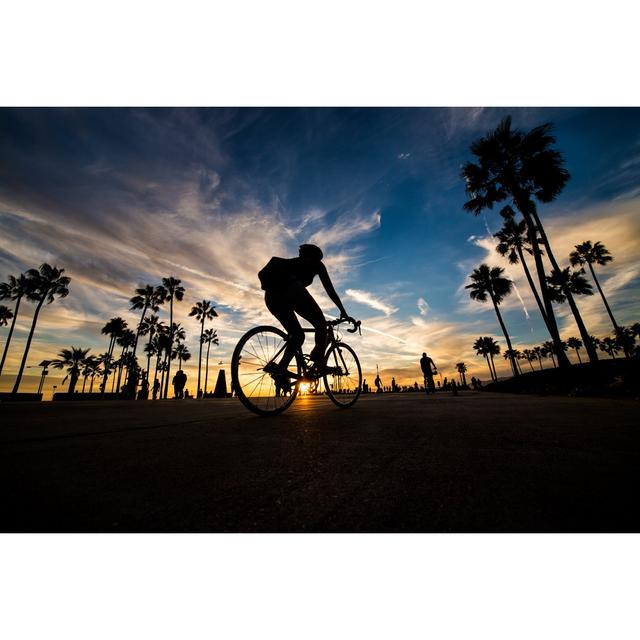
(356, 323)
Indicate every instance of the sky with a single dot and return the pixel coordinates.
(123, 197)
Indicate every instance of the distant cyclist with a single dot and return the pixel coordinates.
(285, 282)
(428, 370)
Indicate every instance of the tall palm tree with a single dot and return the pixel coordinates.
(73, 359)
(461, 368)
(182, 353)
(521, 167)
(14, 289)
(171, 290)
(210, 336)
(488, 283)
(114, 329)
(149, 326)
(48, 284)
(576, 345)
(610, 346)
(549, 351)
(513, 243)
(203, 311)
(95, 369)
(146, 298)
(590, 254)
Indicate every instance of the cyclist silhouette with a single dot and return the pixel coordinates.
(285, 282)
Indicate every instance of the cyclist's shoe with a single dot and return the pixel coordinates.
(320, 369)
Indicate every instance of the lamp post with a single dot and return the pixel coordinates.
(44, 364)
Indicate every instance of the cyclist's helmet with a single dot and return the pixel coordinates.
(310, 252)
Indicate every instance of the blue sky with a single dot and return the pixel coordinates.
(121, 197)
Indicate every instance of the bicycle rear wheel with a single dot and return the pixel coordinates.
(343, 382)
(260, 392)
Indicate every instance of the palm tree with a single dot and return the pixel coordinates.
(625, 339)
(488, 283)
(461, 367)
(88, 366)
(563, 285)
(529, 356)
(14, 289)
(514, 355)
(115, 328)
(146, 297)
(590, 254)
(48, 284)
(522, 167)
(210, 336)
(576, 345)
(539, 353)
(73, 359)
(95, 369)
(549, 351)
(202, 311)
(126, 340)
(170, 291)
(182, 353)
(488, 347)
(150, 326)
(5, 315)
(610, 346)
(513, 243)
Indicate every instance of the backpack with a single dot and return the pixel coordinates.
(274, 273)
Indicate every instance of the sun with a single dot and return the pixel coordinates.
(304, 387)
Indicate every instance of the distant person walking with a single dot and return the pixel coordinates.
(156, 389)
(378, 384)
(428, 371)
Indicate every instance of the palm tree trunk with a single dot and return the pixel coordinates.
(540, 363)
(529, 361)
(514, 367)
(486, 357)
(155, 373)
(578, 354)
(527, 273)
(606, 304)
(135, 342)
(200, 357)
(107, 364)
(91, 385)
(584, 334)
(149, 355)
(553, 360)
(206, 371)
(84, 383)
(73, 381)
(16, 386)
(122, 354)
(166, 382)
(13, 324)
(493, 364)
(526, 208)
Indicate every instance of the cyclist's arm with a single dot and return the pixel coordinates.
(331, 292)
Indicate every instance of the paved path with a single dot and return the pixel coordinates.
(478, 462)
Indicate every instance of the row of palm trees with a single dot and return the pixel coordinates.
(40, 287)
(518, 170)
(165, 343)
(623, 341)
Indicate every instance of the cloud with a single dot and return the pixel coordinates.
(366, 298)
(423, 307)
(346, 228)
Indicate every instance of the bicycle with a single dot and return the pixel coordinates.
(269, 393)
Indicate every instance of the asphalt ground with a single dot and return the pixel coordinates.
(479, 462)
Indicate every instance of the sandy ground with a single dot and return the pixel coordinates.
(479, 462)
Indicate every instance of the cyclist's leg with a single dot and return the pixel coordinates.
(306, 307)
(281, 307)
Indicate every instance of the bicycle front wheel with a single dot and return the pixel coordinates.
(261, 392)
(343, 380)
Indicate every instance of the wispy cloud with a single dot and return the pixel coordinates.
(366, 298)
